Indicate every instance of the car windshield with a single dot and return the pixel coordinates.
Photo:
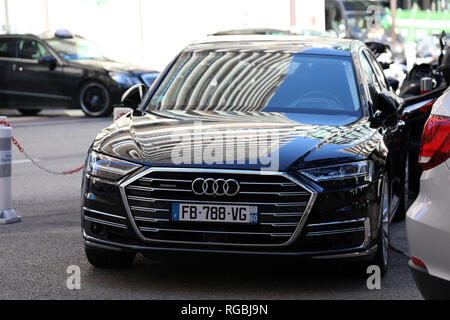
(76, 49)
(259, 81)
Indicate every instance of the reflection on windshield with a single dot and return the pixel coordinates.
(77, 49)
(256, 81)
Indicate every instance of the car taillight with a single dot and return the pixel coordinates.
(418, 262)
(435, 145)
(427, 107)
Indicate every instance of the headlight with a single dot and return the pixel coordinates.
(343, 175)
(99, 165)
(123, 79)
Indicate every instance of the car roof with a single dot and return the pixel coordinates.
(18, 35)
(288, 44)
(253, 31)
(45, 36)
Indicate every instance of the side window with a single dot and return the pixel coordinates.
(378, 71)
(7, 48)
(31, 49)
(372, 83)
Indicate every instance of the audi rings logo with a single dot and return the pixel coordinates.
(215, 187)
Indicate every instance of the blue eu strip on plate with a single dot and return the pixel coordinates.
(175, 211)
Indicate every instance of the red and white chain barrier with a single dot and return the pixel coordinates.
(34, 161)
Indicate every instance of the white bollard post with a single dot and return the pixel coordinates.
(7, 214)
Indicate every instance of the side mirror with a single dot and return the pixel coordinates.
(394, 83)
(375, 120)
(385, 65)
(48, 60)
(132, 98)
(388, 105)
(377, 48)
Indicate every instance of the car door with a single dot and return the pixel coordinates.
(7, 56)
(37, 82)
(394, 138)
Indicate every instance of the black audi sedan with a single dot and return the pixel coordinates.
(62, 71)
(249, 146)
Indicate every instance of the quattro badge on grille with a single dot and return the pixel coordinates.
(215, 187)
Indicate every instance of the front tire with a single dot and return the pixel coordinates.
(94, 99)
(381, 258)
(109, 259)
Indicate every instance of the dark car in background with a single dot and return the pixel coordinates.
(353, 18)
(364, 20)
(62, 71)
(327, 192)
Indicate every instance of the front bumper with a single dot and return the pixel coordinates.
(353, 254)
(337, 224)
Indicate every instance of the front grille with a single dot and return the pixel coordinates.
(281, 206)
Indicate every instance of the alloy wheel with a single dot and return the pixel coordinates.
(406, 184)
(385, 220)
(94, 99)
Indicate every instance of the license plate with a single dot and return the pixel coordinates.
(214, 213)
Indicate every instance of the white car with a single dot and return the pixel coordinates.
(428, 219)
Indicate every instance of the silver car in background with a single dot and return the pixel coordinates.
(428, 219)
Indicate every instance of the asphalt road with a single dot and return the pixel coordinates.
(35, 253)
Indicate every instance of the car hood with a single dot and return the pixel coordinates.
(237, 140)
(110, 65)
